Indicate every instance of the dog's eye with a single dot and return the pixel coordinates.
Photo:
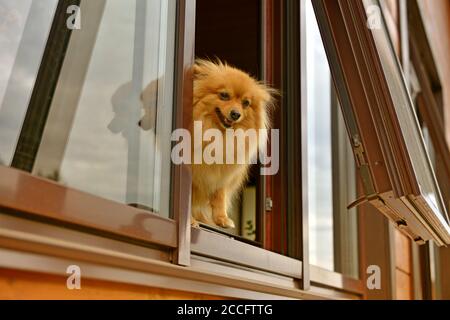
(224, 96)
(246, 103)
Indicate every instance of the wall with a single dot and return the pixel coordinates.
(437, 20)
(27, 285)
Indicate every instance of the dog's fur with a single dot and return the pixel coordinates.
(220, 87)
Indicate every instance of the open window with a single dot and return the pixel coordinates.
(427, 94)
(234, 36)
(69, 112)
(75, 121)
(271, 40)
(332, 184)
(243, 38)
(389, 149)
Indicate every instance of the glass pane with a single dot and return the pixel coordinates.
(24, 28)
(331, 168)
(344, 192)
(319, 147)
(409, 125)
(117, 74)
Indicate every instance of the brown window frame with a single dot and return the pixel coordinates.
(22, 194)
(25, 196)
(291, 195)
(369, 108)
(430, 108)
(207, 243)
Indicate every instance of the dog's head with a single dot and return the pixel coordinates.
(226, 97)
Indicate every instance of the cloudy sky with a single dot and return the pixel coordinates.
(20, 56)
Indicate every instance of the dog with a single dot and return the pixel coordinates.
(225, 98)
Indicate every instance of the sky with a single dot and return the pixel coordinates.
(18, 68)
(320, 200)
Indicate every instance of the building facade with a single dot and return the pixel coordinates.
(93, 207)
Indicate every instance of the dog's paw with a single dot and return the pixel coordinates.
(224, 222)
(194, 223)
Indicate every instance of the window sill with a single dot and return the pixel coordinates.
(32, 246)
(39, 199)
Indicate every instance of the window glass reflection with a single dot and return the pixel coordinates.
(319, 147)
(24, 27)
(117, 73)
(333, 229)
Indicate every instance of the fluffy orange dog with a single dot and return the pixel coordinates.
(224, 98)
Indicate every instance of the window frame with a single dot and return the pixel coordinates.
(389, 182)
(430, 107)
(36, 201)
(206, 243)
(21, 193)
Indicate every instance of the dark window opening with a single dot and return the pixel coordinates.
(233, 36)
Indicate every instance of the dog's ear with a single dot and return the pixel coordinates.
(202, 68)
(268, 95)
(198, 70)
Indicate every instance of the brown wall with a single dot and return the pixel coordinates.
(26, 285)
(437, 15)
(437, 19)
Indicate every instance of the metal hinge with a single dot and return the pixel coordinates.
(359, 151)
(366, 177)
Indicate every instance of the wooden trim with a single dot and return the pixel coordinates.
(261, 181)
(18, 233)
(182, 174)
(228, 250)
(152, 275)
(294, 115)
(39, 247)
(22, 194)
(335, 293)
(286, 223)
(275, 238)
(234, 270)
(221, 247)
(336, 280)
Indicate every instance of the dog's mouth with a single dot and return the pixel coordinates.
(223, 120)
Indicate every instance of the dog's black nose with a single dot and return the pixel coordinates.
(235, 115)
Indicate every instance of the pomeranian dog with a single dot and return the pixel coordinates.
(225, 98)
